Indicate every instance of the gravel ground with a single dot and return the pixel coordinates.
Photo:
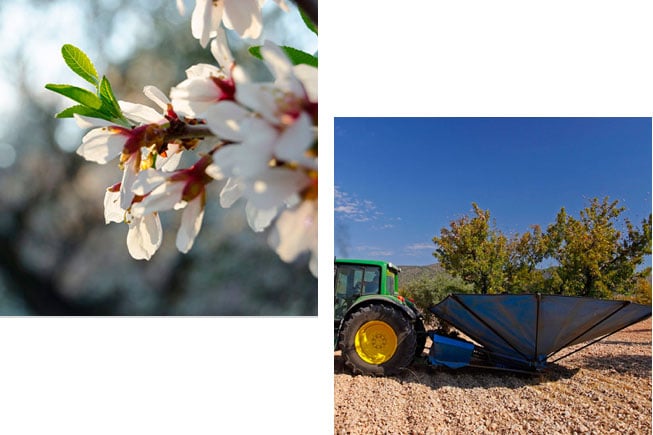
(605, 388)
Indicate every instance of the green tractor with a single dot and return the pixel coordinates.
(379, 331)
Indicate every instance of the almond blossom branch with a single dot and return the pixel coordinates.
(188, 131)
(262, 139)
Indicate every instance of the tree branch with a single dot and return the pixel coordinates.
(188, 132)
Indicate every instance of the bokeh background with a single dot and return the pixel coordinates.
(57, 256)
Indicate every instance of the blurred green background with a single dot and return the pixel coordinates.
(57, 256)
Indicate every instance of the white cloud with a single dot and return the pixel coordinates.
(374, 252)
(419, 248)
(350, 207)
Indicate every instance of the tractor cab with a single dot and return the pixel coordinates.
(355, 279)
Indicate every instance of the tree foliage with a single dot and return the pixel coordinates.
(525, 253)
(427, 291)
(596, 254)
(474, 250)
(595, 258)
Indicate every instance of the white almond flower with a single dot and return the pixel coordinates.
(293, 91)
(288, 110)
(265, 191)
(145, 232)
(243, 16)
(258, 142)
(108, 141)
(183, 189)
(205, 86)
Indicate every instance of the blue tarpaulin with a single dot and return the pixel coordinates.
(524, 330)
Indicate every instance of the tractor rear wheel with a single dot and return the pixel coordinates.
(378, 340)
(421, 337)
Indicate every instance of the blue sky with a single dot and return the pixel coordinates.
(398, 181)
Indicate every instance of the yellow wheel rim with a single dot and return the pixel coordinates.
(375, 342)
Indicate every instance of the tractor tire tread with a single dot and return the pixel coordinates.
(404, 329)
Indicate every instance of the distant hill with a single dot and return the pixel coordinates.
(411, 274)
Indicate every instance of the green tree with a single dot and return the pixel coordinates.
(594, 258)
(642, 291)
(475, 251)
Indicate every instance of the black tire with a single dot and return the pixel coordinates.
(421, 337)
(394, 335)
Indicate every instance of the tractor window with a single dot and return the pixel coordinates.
(348, 285)
(390, 283)
(372, 280)
(354, 280)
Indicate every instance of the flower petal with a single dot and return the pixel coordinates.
(312, 264)
(231, 192)
(295, 140)
(101, 145)
(205, 19)
(245, 160)
(140, 113)
(132, 166)
(220, 49)
(295, 231)
(112, 210)
(191, 222)
(308, 76)
(193, 96)
(87, 122)
(259, 219)
(144, 237)
(282, 4)
(164, 197)
(282, 68)
(158, 97)
(170, 163)
(261, 98)
(203, 70)
(243, 16)
(273, 187)
(214, 171)
(180, 7)
(147, 180)
(225, 118)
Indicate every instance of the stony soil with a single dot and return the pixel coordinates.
(605, 388)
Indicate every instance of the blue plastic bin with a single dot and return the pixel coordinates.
(450, 352)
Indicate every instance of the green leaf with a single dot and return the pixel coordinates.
(80, 95)
(255, 51)
(77, 61)
(311, 26)
(109, 102)
(296, 56)
(82, 110)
